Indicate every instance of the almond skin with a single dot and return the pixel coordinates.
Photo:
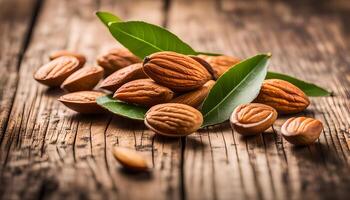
(220, 64)
(116, 59)
(82, 101)
(196, 97)
(285, 97)
(301, 130)
(130, 159)
(206, 65)
(252, 118)
(122, 76)
(178, 72)
(144, 92)
(85, 78)
(55, 72)
(60, 53)
(173, 119)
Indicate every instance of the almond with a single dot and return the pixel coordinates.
(130, 159)
(176, 71)
(116, 59)
(61, 53)
(83, 101)
(143, 92)
(220, 64)
(252, 118)
(283, 96)
(85, 78)
(196, 97)
(122, 76)
(301, 130)
(173, 119)
(55, 72)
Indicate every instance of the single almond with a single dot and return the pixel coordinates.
(85, 78)
(173, 119)
(252, 118)
(130, 159)
(116, 59)
(122, 76)
(301, 130)
(178, 72)
(220, 64)
(143, 92)
(285, 97)
(82, 101)
(60, 53)
(196, 97)
(55, 72)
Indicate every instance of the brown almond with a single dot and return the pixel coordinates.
(116, 59)
(130, 159)
(252, 118)
(196, 97)
(178, 72)
(285, 97)
(220, 64)
(122, 76)
(85, 78)
(82, 101)
(173, 119)
(60, 53)
(143, 92)
(301, 130)
(55, 72)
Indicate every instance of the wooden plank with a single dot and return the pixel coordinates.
(14, 30)
(311, 45)
(50, 152)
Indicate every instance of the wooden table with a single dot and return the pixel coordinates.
(49, 152)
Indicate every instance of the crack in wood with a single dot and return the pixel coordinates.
(166, 8)
(182, 169)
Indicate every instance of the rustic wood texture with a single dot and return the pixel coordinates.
(15, 32)
(49, 152)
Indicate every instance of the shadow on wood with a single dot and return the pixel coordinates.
(54, 92)
(136, 175)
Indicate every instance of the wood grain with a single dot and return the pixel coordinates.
(15, 34)
(50, 152)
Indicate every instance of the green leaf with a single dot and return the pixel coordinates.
(240, 84)
(121, 108)
(107, 17)
(143, 39)
(309, 89)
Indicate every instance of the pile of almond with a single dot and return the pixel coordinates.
(277, 97)
(173, 86)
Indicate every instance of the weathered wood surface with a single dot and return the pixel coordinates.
(15, 32)
(49, 152)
